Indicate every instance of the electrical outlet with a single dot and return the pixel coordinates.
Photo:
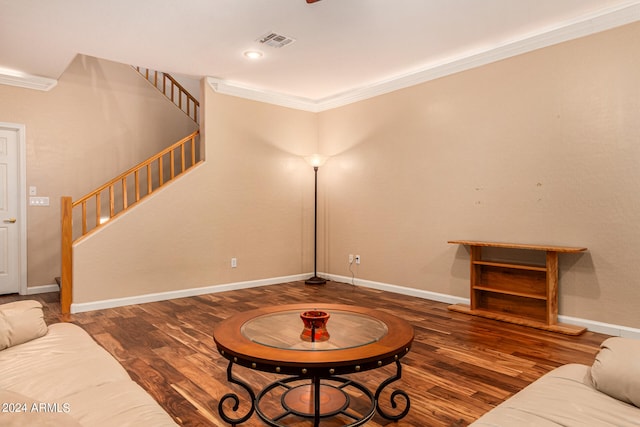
(357, 259)
(350, 258)
(234, 262)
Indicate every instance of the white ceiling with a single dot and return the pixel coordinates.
(341, 45)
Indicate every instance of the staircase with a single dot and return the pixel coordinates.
(92, 211)
(173, 90)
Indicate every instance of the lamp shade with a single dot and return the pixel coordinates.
(316, 160)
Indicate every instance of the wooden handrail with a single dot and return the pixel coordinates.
(152, 77)
(122, 180)
(118, 193)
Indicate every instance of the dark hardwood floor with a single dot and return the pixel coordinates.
(459, 366)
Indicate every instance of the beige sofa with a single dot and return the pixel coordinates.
(59, 376)
(604, 394)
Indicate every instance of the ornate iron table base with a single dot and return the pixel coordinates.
(316, 397)
(315, 384)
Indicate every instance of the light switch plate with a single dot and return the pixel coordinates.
(38, 201)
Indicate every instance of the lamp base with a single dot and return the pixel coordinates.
(315, 280)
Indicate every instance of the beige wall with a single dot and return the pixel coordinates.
(540, 148)
(101, 119)
(251, 199)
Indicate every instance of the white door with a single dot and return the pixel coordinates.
(9, 208)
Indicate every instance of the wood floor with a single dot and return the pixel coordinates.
(459, 366)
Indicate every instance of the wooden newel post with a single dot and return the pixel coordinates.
(66, 276)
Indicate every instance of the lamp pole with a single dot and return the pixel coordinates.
(315, 280)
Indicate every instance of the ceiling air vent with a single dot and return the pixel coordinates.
(275, 40)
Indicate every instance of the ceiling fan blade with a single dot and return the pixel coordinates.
(312, 1)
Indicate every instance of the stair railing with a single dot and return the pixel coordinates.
(172, 90)
(111, 199)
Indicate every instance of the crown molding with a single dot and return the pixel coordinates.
(584, 26)
(227, 87)
(27, 81)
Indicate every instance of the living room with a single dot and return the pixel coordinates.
(535, 148)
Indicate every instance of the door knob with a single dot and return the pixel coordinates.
(10, 220)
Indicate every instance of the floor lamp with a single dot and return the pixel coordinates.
(316, 161)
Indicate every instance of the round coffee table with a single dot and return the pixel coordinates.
(274, 339)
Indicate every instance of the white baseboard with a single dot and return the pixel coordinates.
(418, 293)
(603, 328)
(32, 290)
(182, 293)
(592, 325)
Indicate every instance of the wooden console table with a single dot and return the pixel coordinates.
(524, 294)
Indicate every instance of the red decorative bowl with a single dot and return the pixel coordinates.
(315, 326)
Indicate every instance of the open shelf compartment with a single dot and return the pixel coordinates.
(520, 293)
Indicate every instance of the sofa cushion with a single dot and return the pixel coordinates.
(120, 403)
(616, 370)
(21, 321)
(63, 362)
(17, 410)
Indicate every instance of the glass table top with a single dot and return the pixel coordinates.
(283, 330)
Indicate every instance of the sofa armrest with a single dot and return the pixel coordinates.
(616, 370)
(21, 321)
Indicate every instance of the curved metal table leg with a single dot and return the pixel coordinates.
(394, 395)
(236, 400)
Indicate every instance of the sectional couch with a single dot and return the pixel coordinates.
(58, 375)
